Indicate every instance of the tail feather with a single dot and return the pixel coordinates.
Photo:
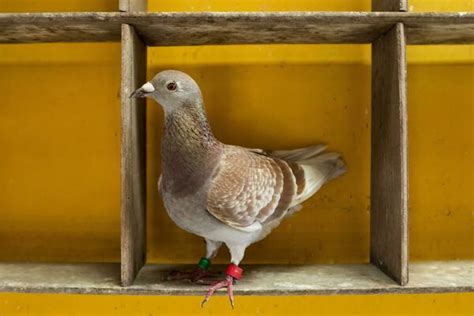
(300, 154)
(330, 165)
(319, 167)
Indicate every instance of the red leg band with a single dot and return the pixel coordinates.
(234, 271)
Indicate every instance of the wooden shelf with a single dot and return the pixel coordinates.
(426, 277)
(388, 32)
(217, 28)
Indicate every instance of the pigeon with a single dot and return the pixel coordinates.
(224, 193)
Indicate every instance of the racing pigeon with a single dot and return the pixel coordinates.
(225, 193)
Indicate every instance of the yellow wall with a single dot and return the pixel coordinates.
(60, 140)
(372, 305)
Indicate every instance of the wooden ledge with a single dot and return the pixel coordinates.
(426, 277)
(217, 28)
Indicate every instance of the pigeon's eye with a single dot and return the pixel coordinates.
(171, 86)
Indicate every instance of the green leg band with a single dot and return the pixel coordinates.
(204, 263)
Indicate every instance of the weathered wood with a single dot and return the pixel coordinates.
(210, 28)
(133, 168)
(390, 5)
(389, 183)
(426, 277)
(418, 33)
(132, 5)
(58, 27)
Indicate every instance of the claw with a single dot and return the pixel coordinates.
(230, 294)
(227, 283)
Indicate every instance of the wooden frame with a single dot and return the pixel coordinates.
(389, 181)
(133, 165)
(332, 279)
(133, 162)
(219, 28)
(389, 32)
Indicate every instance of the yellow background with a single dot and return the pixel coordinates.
(60, 145)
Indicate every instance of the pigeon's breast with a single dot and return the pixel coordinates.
(190, 213)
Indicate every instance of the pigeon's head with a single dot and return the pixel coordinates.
(171, 88)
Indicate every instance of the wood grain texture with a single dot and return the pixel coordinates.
(390, 5)
(389, 183)
(132, 5)
(58, 27)
(426, 277)
(133, 157)
(214, 28)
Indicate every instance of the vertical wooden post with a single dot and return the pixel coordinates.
(390, 5)
(133, 162)
(132, 5)
(133, 168)
(389, 184)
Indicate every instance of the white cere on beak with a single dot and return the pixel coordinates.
(148, 87)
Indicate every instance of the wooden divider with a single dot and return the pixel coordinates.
(222, 28)
(133, 169)
(133, 5)
(390, 5)
(389, 184)
(388, 33)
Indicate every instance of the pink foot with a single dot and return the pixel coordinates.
(227, 283)
(198, 275)
(186, 275)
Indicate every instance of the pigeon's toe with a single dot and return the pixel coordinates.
(227, 283)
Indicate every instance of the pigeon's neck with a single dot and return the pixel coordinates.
(190, 152)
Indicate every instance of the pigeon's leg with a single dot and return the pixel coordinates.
(234, 272)
(201, 273)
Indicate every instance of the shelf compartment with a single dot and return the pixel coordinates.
(104, 278)
(217, 28)
(389, 32)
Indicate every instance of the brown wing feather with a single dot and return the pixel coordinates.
(246, 188)
(289, 188)
(298, 172)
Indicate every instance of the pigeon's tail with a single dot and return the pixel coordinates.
(318, 166)
(300, 154)
(326, 165)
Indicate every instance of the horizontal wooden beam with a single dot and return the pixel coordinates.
(60, 27)
(426, 277)
(215, 28)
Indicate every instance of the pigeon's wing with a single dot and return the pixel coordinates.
(250, 188)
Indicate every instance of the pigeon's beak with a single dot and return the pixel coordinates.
(143, 91)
